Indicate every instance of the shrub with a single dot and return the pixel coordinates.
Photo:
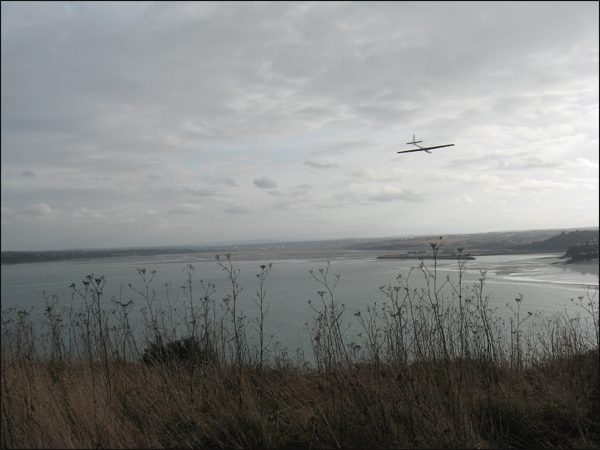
(188, 350)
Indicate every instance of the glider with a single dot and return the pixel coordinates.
(422, 149)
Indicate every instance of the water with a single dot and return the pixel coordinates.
(545, 287)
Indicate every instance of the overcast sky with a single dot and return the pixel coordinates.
(146, 124)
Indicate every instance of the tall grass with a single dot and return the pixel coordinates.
(433, 366)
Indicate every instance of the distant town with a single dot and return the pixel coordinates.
(576, 244)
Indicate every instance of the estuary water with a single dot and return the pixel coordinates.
(544, 286)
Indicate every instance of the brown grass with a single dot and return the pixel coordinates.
(365, 406)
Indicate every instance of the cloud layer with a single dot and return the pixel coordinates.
(156, 123)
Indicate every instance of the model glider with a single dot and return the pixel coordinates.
(422, 149)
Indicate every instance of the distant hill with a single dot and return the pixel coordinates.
(583, 252)
(561, 242)
(491, 242)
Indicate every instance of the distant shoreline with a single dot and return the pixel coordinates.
(263, 255)
(426, 256)
(392, 248)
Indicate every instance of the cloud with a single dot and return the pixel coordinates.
(301, 191)
(526, 163)
(200, 192)
(237, 209)
(6, 214)
(320, 165)
(84, 212)
(582, 163)
(39, 209)
(186, 208)
(140, 110)
(390, 193)
(380, 175)
(541, 185)
(498, 202)
(265, 183)
(227, 181)
(284, 205)
(196, 191)
(466, 199)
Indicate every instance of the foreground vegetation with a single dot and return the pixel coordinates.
(434, 367)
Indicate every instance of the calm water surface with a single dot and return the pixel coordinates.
(545, 286)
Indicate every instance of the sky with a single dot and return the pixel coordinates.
(166, 123)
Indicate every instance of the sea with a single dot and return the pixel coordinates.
(544, 283)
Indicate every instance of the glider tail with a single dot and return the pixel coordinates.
(414, 142)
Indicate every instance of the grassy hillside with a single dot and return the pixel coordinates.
(562, 242)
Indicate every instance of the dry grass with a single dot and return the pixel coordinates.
(365, 406)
